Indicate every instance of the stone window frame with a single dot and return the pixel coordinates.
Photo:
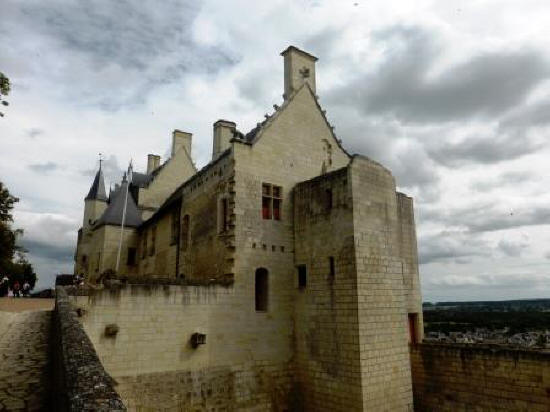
(272, 201)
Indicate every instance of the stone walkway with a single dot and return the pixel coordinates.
(24, 355)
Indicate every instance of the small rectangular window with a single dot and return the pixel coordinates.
(332, 272)
(302, 276)
(413, 334)
(261, 290)
(131, 259)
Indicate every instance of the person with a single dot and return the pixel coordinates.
(4, 286)
(16, 289)
(26, 289)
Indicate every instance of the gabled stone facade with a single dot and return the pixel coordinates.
(317, 246)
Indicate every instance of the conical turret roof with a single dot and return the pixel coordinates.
(97, 191)
(113, 213)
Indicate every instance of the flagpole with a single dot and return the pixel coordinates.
(129, 180)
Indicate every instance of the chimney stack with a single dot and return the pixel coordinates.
(299, 69)
(181, 139)
(153, 162)
(223, 133)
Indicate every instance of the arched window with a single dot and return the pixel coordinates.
(261, 288)
(185, 233)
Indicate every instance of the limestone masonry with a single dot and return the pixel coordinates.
(283, 275)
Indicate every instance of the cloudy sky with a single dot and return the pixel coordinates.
(452, 96)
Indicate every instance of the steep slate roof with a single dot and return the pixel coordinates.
(113, 213)
(97, 191)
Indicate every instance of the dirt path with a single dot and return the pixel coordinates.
(24, 356)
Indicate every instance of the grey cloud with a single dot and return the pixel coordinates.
(486, 85)
(533, 115)
(49, 251)
(504, 180)
(487, 218)
(513, 248)
(34, 132)
(451, 245)
(486, 149)
(109, 54)
(44, 167)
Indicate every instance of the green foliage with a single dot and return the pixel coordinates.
(12, 257)
(452, 320)
(5, 88)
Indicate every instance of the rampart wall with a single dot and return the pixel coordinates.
(152, 359)
(459, 377)
(81, 383)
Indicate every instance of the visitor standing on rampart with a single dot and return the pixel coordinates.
(4, 286)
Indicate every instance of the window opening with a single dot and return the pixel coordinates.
(131, 259)
(413, 335)
(331, 265)
(302, 276)
(261, 290)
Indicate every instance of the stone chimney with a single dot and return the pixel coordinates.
(299, 68)
(153, 162)
(181, 139)
(223, 133)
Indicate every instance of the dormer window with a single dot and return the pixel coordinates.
(272, 201)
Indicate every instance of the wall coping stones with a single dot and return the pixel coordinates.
(83, 380)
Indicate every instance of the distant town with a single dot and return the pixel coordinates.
(513, 323)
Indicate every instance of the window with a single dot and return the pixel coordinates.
(84, 259)
(144, 245)
(131, 260)
(413, 336)
(153, 240)
(175, 226)
(224, 215)
(332, 272)
(302, 276)
(271, 201)
(261, 289)
(185, 233)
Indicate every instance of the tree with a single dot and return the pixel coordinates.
(5, 88)
(19, 268)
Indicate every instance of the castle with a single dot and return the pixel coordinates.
(294, 266)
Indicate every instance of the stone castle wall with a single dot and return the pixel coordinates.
(238, 365)
(459, 377)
